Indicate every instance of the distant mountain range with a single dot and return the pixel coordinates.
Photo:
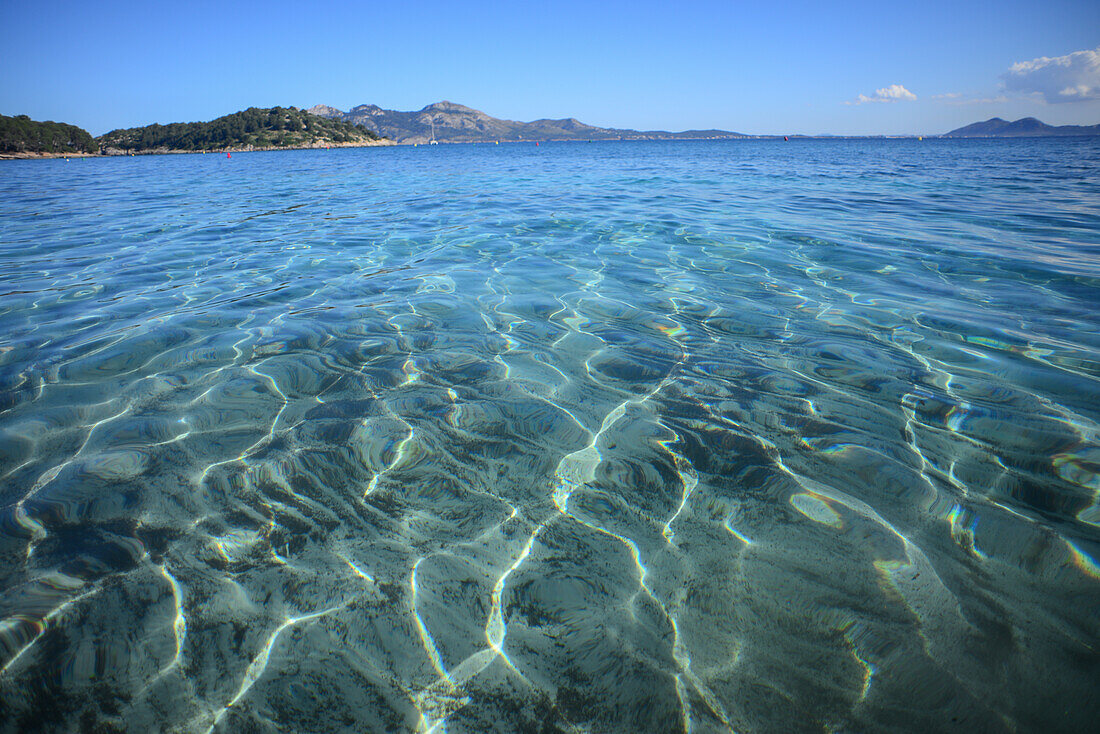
(455, 123)
(1027, 127)
(448, 122)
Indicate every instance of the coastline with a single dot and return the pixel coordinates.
(119, 152)
(8, 156)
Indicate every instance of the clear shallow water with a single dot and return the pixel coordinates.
(594, 437)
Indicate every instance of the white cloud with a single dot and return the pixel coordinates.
(1071, 78)
(892, 93)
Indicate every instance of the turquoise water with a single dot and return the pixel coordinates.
(613, 437)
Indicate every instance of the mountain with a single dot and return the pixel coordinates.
(254, 128)
(1027, 127)
(22, 135)
(455, 123)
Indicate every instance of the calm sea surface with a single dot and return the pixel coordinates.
(611, 437)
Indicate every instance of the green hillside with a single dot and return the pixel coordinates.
(21, 134)
(277, 127)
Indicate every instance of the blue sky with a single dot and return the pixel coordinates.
(785, 67)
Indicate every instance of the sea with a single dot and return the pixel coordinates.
(678, 436)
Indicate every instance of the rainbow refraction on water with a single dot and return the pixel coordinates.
(693, 436)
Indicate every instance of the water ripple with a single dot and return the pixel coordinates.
(737, 436)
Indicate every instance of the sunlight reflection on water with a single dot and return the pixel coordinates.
(616, 437)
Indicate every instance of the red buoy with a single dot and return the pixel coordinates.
(228, 155)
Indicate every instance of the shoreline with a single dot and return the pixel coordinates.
(30, 156)
(121, 153)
